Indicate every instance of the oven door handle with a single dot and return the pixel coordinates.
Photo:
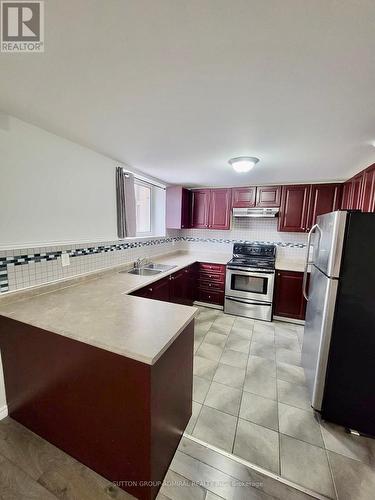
(254, 302)
(256, 274)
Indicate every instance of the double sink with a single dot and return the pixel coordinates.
(149, 269)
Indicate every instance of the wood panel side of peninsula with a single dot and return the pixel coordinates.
(118, 416)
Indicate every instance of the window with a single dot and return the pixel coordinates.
(143, 208)
(150, 209)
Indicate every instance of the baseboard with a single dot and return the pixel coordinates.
(290, 320)
(3, 412)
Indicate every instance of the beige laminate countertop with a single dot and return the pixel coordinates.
(290, 265)
(99, 311)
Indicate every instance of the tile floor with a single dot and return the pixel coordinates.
(318, 455)
(250, 399)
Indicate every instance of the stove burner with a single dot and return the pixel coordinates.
(254, 256)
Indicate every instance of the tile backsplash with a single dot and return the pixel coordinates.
(35, 266)
(289, 245)
(23, 268)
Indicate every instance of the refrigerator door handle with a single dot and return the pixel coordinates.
(307, 262)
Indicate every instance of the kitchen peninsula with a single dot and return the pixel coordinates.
(101, 376)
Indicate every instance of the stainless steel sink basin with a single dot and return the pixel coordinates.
(160, 267)
(149, 269)
(144, 272)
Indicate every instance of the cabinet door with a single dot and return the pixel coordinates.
(179, 287)
(192, 277)
(368, 196)
(185, 208)
(324, 198)
(357, 184)
(160, 290)
(200, 208)
(289, 299)
(268, 196)
(219, 214)
(243, 197)
(177, 207)
(294, 208)
(346, 196)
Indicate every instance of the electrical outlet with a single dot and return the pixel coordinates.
(65, 259)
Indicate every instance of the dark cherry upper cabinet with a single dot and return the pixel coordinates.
(289, 301)
(352, 198)
(211, 208)
(200, 208)
(178, 205)
(356, 197)
(244, 197)
(368, 190)
(268, 196)
(219, 213)
(324, 198)
(346, 195)
(294, 208)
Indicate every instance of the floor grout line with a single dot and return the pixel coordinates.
(251, 466)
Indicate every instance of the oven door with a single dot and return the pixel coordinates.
(251, 285)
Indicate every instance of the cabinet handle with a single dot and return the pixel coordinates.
(150, 289)
(182, 225)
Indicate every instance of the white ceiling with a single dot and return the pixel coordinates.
(177, 87)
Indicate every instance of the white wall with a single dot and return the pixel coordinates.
(52, 190)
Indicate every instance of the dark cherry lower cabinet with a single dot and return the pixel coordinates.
(289, 301)
(211, 283)
(176, 287)
(202, 281)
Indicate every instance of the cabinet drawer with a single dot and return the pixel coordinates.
(211, 297)
(211, 285)
(211, 276)
(219, 268)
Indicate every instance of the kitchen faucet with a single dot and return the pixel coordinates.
(140, 262)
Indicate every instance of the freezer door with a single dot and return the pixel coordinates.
(317, 337)
(327, 254)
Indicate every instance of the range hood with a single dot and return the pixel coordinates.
(256, 212)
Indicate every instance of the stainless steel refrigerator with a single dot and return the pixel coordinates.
(338, 353)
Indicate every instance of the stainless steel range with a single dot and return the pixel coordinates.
(250, 279)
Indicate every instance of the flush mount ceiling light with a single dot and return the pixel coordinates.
(243, 163)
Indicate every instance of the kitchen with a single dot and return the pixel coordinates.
(186, 308)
